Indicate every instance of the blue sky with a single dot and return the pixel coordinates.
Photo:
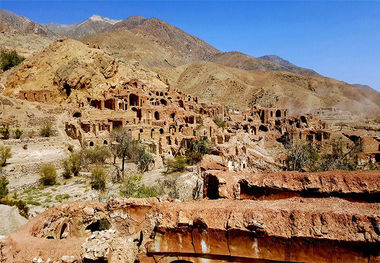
(338, 39)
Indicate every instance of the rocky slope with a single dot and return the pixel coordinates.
(22, 24)
(24, 44)
(290, 66)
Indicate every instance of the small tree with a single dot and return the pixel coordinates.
(177, 164)
(3, 186)
(98, 179)
(5, 153)
(124, 147)
(10, 59)
(5, 133)
(196, 149)
(220, 122)
(18, 133)
(144, 160)
(301, 155)
(48, 175)
(46, 130)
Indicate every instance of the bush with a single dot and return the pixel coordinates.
(72, 165)
(220, 122)
(5, 153)
(10, 59)
(46, 130)
(145, 159)
(133, 187)
(3, 186)
(5, 133)
(48, 175)
(97, 154)
(98, 179)
(18, 133)
(177, 164)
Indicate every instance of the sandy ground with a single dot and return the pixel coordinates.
(10, 219)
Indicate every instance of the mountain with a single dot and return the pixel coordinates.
(93, 25)
(364, 87)
(188, 46)
(289, 66)
(21, 24)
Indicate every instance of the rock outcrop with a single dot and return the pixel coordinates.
(351, 185)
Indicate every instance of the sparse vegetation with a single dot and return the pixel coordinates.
(46, 130)
(3, 186)
(96, 155)
(18, 133)
(48, 175)
(98, 179)
(5, 154)
(177, 164)
(72, 165)
(61, 197)
(133, 187)
(5, 133)
(305, 157)
(220, 122)
(10, 59)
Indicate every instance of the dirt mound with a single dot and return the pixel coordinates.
(70, 70)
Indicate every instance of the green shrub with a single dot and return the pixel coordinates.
(48, 175)
(3, 186)
(46, 130)
(98, 179)
(144, 160)
(220, 122)
(10, 59)
(18, 133)
(133, 187)
(5, 133)
(66, 169)
(97, 154)
(177, 164)
(60, 198)
(5, 154)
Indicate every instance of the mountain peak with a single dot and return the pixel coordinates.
(99, 18)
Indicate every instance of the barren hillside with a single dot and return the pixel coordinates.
(241, 89)
(23, 25)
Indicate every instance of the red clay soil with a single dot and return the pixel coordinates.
(154, 230)
(352, 185)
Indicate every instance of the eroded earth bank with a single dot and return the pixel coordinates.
(302, 224)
